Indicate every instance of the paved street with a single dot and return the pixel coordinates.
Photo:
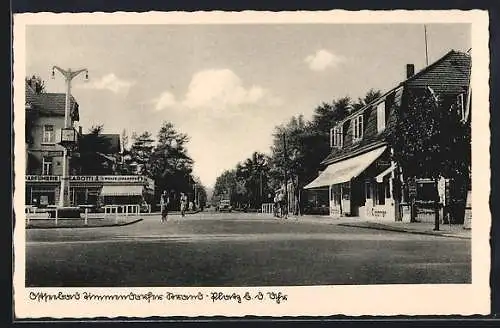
(234, 249)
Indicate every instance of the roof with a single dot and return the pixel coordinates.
(453, 67)
(457, 74)
(51, 103)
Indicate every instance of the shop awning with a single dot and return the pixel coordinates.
(121, 190)
(345, 170)
(380, 177)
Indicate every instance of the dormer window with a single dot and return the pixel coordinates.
(381, 117)
(336, 137)
(357, 128)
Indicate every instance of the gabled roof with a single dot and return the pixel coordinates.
(457, 75)
(462, 66)
(51, 103)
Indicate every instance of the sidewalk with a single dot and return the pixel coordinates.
(80, 223)
(424, 228)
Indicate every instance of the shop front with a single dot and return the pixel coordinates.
(43, 190)
(359, 186)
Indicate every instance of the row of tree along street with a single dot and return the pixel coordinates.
(298, 148)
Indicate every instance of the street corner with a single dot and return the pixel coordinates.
(75, 223)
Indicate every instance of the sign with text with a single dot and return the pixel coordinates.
(92, 178)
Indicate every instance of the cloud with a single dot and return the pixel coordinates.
(110, 82)
(221, 89)
(218, 91)
(321, 60)
(165, 100)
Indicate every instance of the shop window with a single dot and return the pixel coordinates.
(387, 189)
(47, 166)
(48, 134)
(357, 128)
(381, 193)
(368, 192)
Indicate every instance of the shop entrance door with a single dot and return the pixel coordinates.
(346, 198)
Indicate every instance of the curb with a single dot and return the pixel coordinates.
(88, 227)
(387, 228)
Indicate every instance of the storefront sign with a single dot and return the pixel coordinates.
(92, 178)
(83, 178)
(379, 212)
(122, 178)
(42, 178)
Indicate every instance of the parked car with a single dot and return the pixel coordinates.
(225, 206)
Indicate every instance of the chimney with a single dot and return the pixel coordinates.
(410, 70)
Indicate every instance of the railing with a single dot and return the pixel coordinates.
(32, 211)
(267, 208)
(126, 210)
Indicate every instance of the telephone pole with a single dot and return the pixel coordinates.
(67, 140)
(285, 163)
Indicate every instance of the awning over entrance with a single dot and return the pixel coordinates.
(380, 177)
(121, 190)
(345, 170)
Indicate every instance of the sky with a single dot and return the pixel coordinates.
(227, 86)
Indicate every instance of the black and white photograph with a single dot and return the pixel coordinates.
(309, 163)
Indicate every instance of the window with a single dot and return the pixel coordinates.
(381, 193)
(461, 106)
(368, 192)
(47, 166)
(336, 137)
(357, 129)
(48, 134)
(381, 117)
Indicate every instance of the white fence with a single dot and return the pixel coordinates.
(116, 211)
(267, 208)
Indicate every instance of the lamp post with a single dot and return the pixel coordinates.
(66, 140)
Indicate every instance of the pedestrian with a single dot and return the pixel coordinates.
(183, 204)
(164, 201)
(282, 202)
(276, 205)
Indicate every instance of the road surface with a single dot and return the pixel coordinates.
(235, 249)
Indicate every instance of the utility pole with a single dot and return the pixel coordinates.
(285, 163)
(426, 53)
(68, 127)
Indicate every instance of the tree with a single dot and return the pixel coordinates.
(253, 175)
(370, 96)
(36, 83)
(169, 163)
(140, 153)
(430, 141)
(92, 147)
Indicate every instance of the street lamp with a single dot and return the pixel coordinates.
(68, 135)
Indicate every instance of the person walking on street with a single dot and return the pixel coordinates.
(276, 206)
(164, 201)
(183, 204)
(283, 205)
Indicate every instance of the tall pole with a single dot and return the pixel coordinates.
(285, 154)
(426, 52)
(68, 76)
